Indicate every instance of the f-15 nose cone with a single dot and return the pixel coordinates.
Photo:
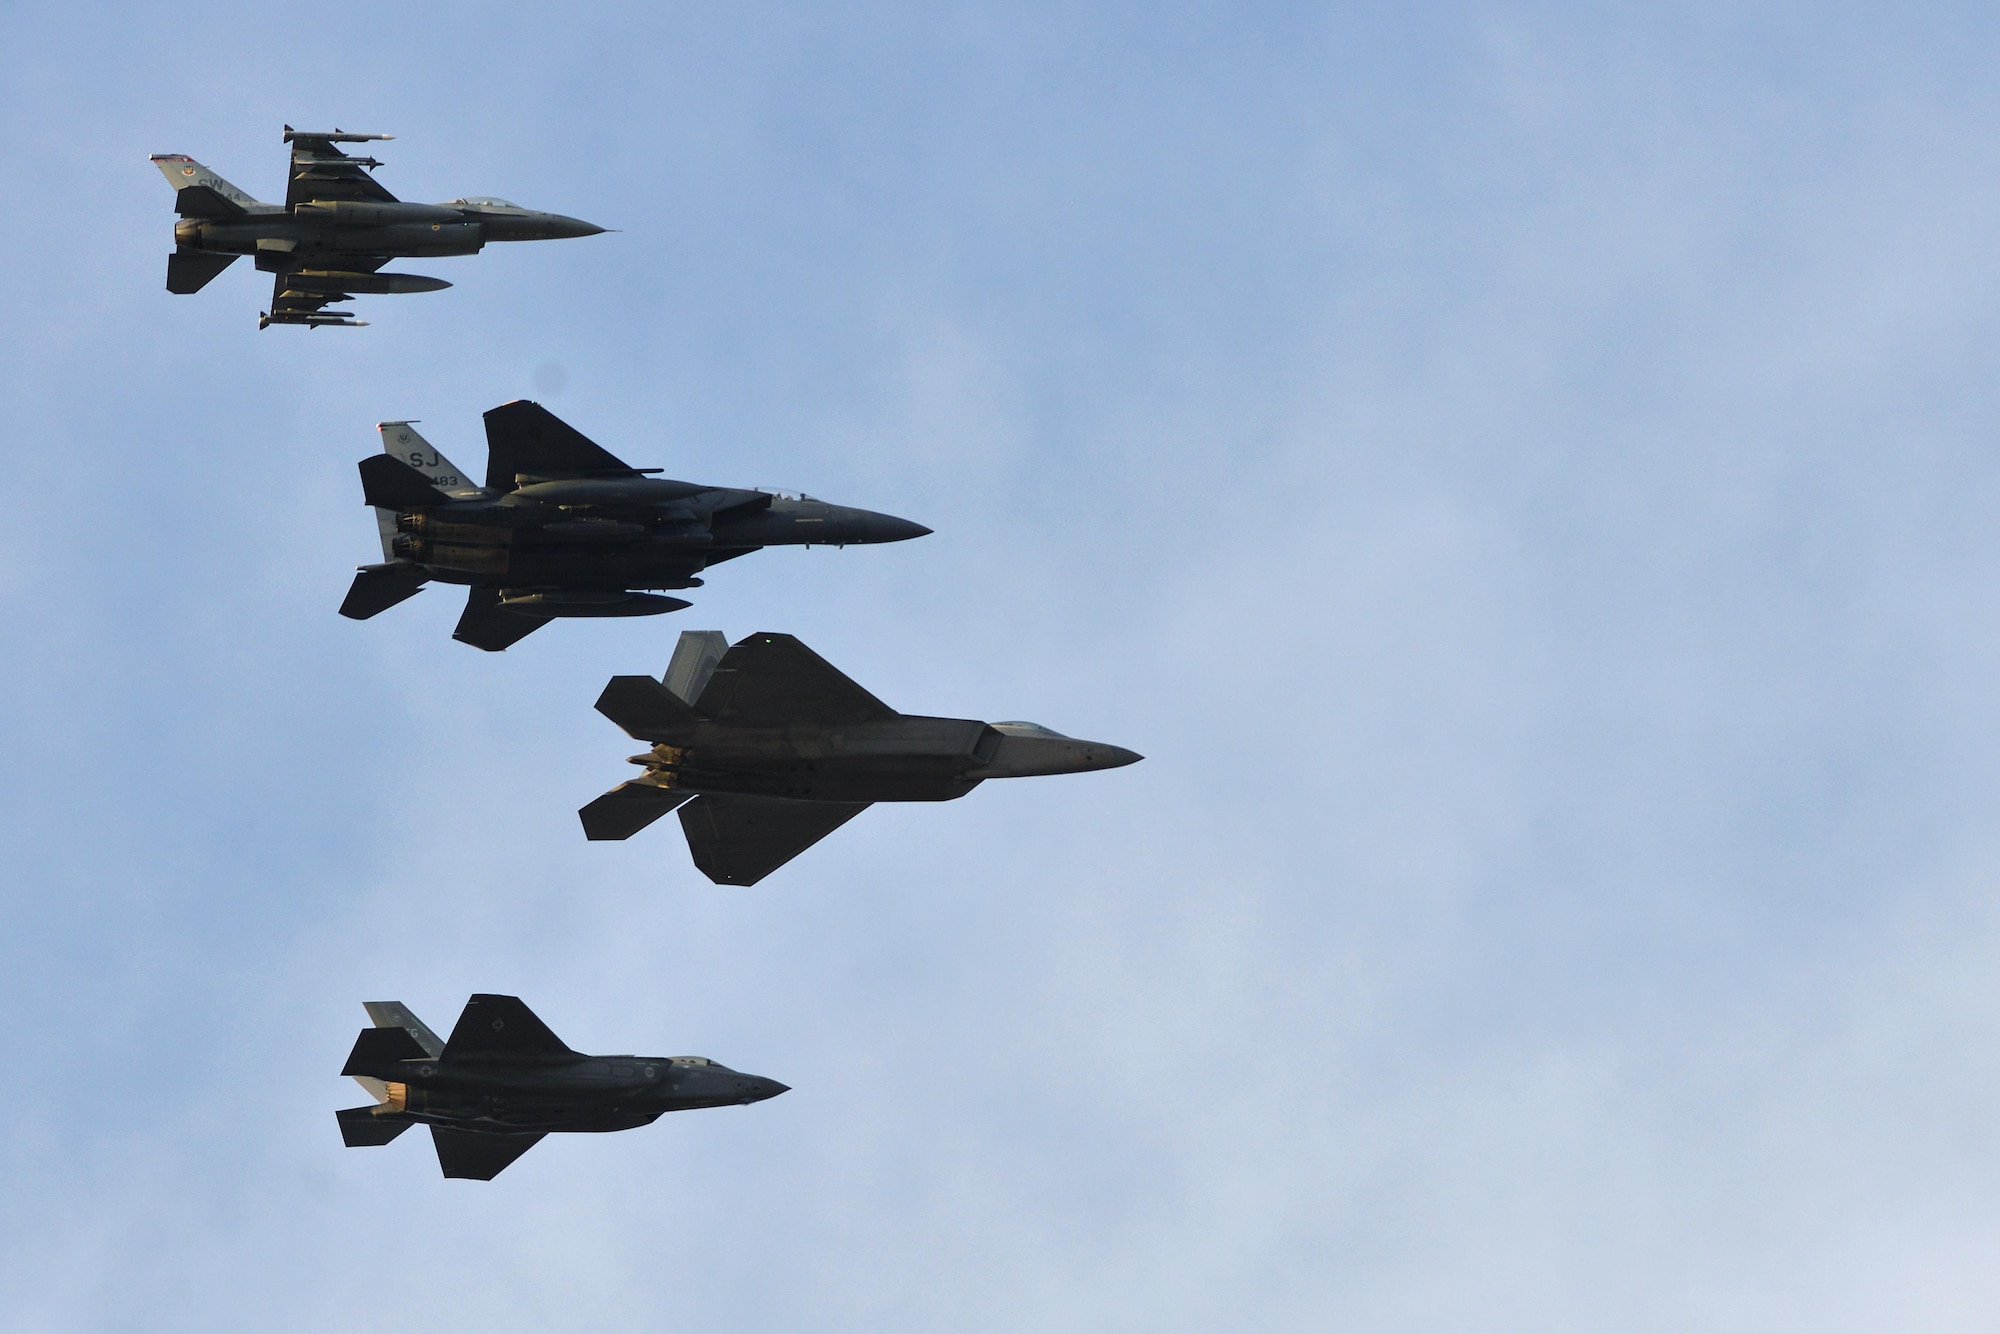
(889, 528)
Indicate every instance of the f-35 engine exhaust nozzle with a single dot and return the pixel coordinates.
(326, 280)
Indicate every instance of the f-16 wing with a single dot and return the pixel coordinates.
(300, 295)
(320, 171)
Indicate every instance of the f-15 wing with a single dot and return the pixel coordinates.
(320, 171)
(525, 437)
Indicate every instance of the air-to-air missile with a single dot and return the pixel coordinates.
(503, 1080)
(336, 228)
(564, 528)
(766, 748)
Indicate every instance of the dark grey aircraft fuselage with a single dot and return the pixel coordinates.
(283, 238)
(613, 536)
(764, 748)
(503, 1081)
(906, 758)
(589, 1095)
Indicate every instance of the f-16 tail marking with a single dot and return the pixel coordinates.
(199, 192)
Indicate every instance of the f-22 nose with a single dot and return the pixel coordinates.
(757, 1089)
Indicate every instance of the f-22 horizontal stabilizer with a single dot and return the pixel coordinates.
(626, 809)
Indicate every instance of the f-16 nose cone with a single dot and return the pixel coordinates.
(560, 228)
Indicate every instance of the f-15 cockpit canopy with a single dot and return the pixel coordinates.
(485, 201)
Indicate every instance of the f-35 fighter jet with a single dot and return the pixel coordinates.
(335, 230)
(503, 1081)
(766, 749)
(564, 528)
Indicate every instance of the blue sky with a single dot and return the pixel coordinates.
(1521, 473)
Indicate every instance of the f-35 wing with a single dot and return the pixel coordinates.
(499, 1027)
(320, 171)
(770, 680)
(471, 1155)
(738, 840)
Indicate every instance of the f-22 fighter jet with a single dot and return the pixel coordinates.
(503, 1081)
(766, 748)
(564, 528)
(334, 232)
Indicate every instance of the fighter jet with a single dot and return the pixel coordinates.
(504, 1080)
(335, 230)
(564, 528)
(766, 749)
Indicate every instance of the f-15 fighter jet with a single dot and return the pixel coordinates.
(335, 230)
(503, 1080)
(766, 749)
(564, 528)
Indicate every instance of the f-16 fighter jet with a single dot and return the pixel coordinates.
(335, 230)
(766, 749)
(503, 1081)
(563, 528)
